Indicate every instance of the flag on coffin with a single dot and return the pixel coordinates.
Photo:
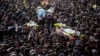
(66, 30)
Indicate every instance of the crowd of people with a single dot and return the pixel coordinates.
(16, 39)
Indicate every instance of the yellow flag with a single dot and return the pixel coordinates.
(26, 4)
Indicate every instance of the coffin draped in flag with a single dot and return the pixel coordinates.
(64, 30)
(32, 24)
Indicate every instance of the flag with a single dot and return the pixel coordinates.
(41, 13)
(26, 4)
(45, 2)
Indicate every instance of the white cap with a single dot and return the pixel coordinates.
(13, 54)
(91, 38)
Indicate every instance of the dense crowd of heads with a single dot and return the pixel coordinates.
(20, 40)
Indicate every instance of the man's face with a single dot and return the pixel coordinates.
(98, 31)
